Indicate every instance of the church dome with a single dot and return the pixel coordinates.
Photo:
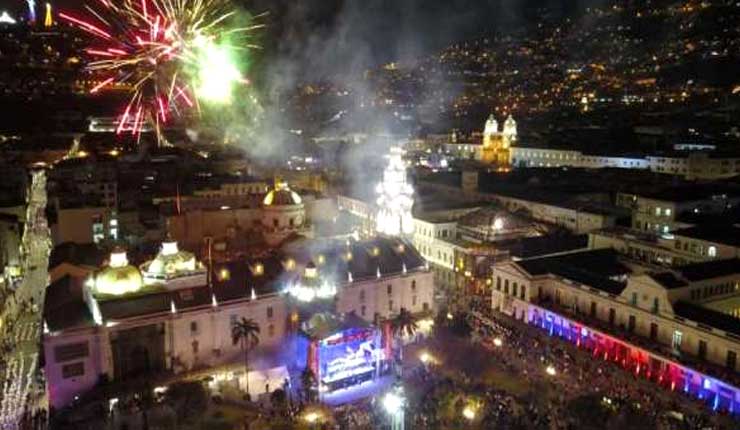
(119, 277)
(170, 262)
(282, 195)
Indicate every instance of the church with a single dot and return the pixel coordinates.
(172, 315)
(497, 143)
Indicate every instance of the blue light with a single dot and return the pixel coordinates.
(707, 384)
(716, 402)
(584, 332)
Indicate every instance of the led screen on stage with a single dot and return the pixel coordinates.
(350, 357)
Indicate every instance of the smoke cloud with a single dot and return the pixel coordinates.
(334, 43)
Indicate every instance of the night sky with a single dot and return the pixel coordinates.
(340, 36)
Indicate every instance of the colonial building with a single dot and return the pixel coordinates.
(688, 164)
(668, 312)
(273, 217)
(166, 317)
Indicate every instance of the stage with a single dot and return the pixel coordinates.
(348, 357)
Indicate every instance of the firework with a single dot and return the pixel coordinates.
(31, 10)
(173, 55)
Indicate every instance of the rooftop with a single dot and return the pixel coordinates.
(529, 247)
(710, 269)
(703, 315)
(669, 280)
(65, 307)
(594, 268)
(722, 234)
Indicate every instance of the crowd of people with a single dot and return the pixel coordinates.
(525, 350)
(363, 415)
(22, 380)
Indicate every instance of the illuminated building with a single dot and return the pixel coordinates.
(128, 322)
(395, 198)
(591, 298)
(245, 209)
(497, 144)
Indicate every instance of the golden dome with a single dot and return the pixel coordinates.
(282, 195)
(119, 277)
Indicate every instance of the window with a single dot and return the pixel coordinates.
(712, 251)
(362, 310)
(71, 351)
(612, 316)
(653, 331)
(413, 285)
(193, 327)
(677, 338)
(275, 222)
(269, 312)
(702, 353)
(656, 307)
(413, 301)
(195, 347)
(731, 360)
(631, 324)
(634, 299)
(522, 293)
(389, 289)
(271, 330)
(390, 305)
(498, 283)
(232, 319)
(593, 309)
(362, 296)
(514, 289)
(72, 370)
(506, 286)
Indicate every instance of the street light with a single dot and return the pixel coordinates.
(498, 342)
(426, 358)
(468, 413)
(312, 418)
(394, 402)
(550, 370)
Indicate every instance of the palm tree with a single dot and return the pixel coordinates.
(245, 332)
(403, 324)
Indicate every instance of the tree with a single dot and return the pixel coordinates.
(245, 332)
(403, 324)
